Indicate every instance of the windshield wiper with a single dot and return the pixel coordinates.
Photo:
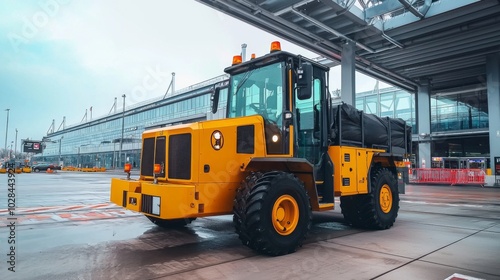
(243, 81)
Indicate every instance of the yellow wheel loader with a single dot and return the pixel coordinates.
(283, 151)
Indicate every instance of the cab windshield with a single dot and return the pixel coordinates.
(258, 91)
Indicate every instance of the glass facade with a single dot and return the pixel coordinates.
(459, 121)
(388, 102)
(459, 129)
(460, 111)
(459, 124)
(96, 143)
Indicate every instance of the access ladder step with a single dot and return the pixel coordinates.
(326, 206)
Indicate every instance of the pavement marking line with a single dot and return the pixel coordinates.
(37, 209)
(30, 209)
(64, 215)
(51, 209)
(458, 276)
(73, 207)
(443, 204)
(53, 217)
(100, 205)
(99, 214)
(37, 217)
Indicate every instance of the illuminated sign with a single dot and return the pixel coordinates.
(32, 147)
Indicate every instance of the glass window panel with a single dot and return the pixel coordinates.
(371, 105)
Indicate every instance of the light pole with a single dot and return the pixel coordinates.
(6, 129)
(123, 127)
(59, 163)
(15, 145)
(10, 150)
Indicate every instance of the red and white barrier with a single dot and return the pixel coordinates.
(447, 176)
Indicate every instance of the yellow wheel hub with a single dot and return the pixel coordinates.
(385, 198)
(285, 215)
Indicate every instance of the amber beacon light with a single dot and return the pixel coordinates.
(127, 167)
(275, 46)
(237, 59)
(157, 168)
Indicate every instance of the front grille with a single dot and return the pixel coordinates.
(147, 158)
(179, 156)
(147, 204)
(124, 199)
(160, 153)
(153, 154)
(245, 139)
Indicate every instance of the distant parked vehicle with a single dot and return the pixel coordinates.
(42, 167)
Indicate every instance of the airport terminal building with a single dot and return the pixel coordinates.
(112, 140)
(459, 126)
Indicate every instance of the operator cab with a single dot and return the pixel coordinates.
(289, 92)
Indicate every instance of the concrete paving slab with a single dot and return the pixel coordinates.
(94, 241)
(405, 239)
(432, 271)
(322, 260)
(478, 252)
(495, 228)
(459, 210)
(438, 219)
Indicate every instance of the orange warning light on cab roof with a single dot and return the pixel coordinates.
(237, 59)
(275, 46)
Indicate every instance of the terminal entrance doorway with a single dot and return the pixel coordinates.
(460, 162)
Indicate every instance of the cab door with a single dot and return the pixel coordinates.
(311, 138)
(309, 122)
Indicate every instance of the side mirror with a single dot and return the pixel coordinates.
(215, 99)
(304, 81)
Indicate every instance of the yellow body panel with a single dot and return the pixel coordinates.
(352, 165)
(225, 164)
(136, 205)
(120, 185)
(399, 164)
(215, 174)
(176, 201)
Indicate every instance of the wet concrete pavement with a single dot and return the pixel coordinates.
(67, 229)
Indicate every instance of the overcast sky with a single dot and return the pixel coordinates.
(59, 58)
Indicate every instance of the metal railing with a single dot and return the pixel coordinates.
(447, 176)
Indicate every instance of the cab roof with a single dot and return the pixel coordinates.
(271, 58)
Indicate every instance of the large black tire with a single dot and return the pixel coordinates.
(175, 223)
(272, 213)
(379, 208)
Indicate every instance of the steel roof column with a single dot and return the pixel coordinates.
(493, 89)
(423, 101)
(348, 70)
